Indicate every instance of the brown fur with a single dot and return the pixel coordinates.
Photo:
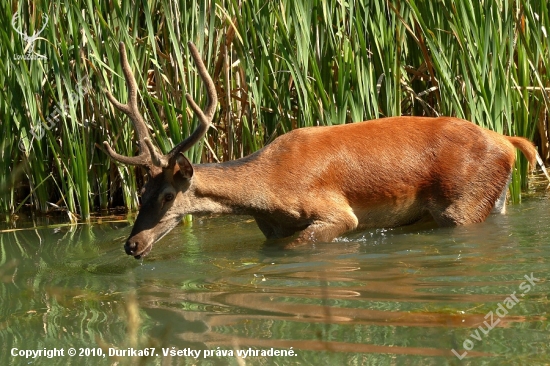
(323, 181)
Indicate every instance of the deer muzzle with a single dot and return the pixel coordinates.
(137, 248)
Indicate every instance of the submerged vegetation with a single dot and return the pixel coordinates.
(277, 66)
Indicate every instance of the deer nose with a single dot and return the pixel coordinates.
(130, 247)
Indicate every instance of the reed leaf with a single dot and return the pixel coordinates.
(277, 66)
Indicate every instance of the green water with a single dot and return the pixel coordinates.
(405, 296)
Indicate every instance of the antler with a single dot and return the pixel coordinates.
(13, 21)
(148, 155)
(205, 118)
(25, 36)
(45, 21)
(132, 111)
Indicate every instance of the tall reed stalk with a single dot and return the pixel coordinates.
(277, 66)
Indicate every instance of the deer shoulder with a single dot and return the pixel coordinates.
(315, 184)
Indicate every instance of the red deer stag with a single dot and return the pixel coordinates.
(321, 182)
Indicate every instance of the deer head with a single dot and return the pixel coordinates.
(170, 175)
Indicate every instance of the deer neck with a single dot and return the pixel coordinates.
(223, 188)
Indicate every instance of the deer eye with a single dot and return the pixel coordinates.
(168, 197)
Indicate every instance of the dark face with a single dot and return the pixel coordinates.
(165, 201)
(162, 208)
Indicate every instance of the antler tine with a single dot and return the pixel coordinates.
(132, 111)
(205, 118)
(46, 18)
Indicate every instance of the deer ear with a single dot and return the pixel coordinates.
(186, 168)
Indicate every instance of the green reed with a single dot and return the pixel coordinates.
(277, 66)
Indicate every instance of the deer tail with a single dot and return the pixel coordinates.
(526, 147)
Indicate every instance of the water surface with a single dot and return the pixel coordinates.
(402, 296)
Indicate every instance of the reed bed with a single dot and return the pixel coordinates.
(277, 66)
